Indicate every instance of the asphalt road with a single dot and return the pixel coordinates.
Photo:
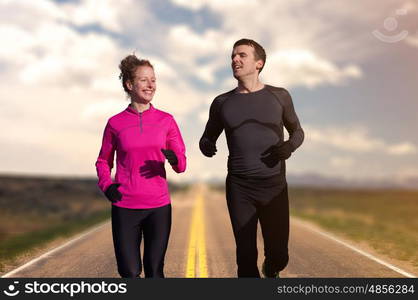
(208, 251)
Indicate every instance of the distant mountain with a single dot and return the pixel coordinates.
(410, 182)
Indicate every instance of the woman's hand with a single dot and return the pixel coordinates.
(171, 156)
(112, 193)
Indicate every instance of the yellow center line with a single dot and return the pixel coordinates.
(203, 269)
(191, 257)
(197, 242)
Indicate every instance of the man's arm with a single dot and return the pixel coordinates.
(291, 121)
(213, 129)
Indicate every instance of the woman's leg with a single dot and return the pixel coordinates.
(126, 230)
(156, 229)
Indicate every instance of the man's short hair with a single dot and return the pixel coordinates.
(259, 52)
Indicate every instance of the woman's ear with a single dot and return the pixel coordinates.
(129, 85)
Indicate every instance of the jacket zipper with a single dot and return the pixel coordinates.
(140, 122)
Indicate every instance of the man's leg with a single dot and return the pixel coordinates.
(243, 216)
(274, 221)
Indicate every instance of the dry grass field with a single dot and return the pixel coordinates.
(36, 210)
(385, 219)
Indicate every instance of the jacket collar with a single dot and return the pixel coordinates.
(130, 109)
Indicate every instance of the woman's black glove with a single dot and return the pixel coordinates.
(171, 156)
(112, 193)
(207, 147)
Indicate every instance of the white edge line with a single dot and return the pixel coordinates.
(55, 250)
(368, 255)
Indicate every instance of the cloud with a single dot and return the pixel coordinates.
(50, 52)
(17, 12)
(356, 140)
(302, 67)
(213, 4)
(71, 60)
(341, 162)
(409, 6)
(188, 49)
(407, 172)
(61, 85)
(185, 39)
(402, 149)
(412, 40)
(179, 99)
(296, 55)
(308, 44)
(109, 14)
(100, 110)
(194, 5)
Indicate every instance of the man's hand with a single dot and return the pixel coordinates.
(207, 147)
(171, 156)
(280, 152)
(112, 193)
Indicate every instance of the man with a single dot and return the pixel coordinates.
(253, 115)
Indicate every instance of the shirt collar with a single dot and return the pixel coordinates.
(133, 110)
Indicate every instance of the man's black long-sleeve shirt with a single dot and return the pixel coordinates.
(253, 122)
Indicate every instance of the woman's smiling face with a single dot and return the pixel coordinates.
(144, 84)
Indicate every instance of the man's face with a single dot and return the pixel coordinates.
(244, 62)
(144, 83)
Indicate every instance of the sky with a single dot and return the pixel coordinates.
(351, 68)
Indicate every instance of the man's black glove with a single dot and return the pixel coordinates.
(171, 156)
(112, 193)
(207, 147)
(279, 152)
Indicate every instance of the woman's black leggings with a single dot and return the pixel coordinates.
(128, 226)
(259, 199)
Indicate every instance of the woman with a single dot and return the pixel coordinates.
(143, 137)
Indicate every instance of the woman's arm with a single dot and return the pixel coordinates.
(104, 163)
(176, 144)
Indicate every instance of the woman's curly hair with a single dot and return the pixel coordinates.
(128, 66)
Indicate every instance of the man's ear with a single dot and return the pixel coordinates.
(259, 64)
(129, 85)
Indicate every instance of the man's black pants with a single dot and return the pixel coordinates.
(259, 199)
